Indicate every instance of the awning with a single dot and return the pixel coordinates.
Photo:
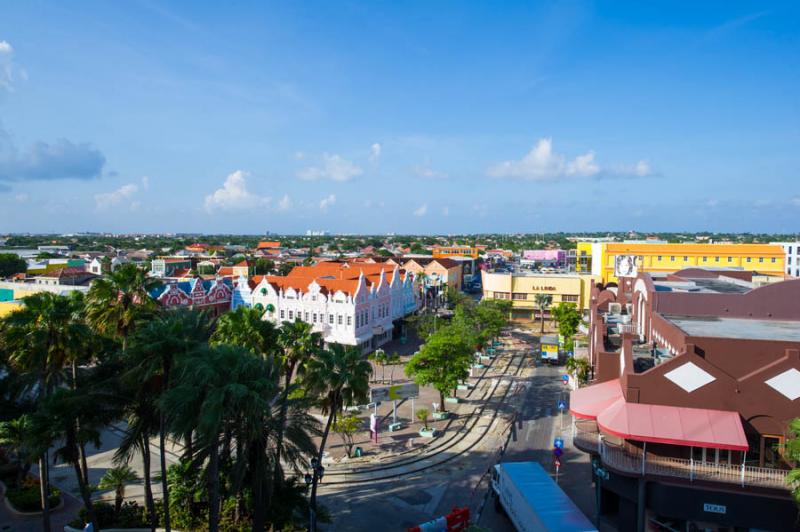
(691, 427)
(588, 402)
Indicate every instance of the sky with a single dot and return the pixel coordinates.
(407, 117)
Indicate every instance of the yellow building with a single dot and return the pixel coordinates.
(7, 307)
(521, 290)
(601, 258)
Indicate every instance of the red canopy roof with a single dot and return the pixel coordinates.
(696, 427)
(588, 402)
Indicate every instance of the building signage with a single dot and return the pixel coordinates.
(625, 266)
(543, 289)
(394, 393)
(715, 508)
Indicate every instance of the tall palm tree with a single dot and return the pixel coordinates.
(154, 351)
(337, 377)
(298, 344)
(117, 478)
(543, 302)
(118, 301)
(42, 339)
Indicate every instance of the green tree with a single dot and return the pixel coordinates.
(11, 263)
(346, 428)
(154, 351)
(16, 436)
(568, 319)
(117, 302)
(543, 302)
(578, 367)
(285, 268)
(264, 266)
(337, 377)
(792, 454)
(422, 415)
(443, 361)
(117, 478)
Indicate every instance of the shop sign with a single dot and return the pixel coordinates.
(715, 508)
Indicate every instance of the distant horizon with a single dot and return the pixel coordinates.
(418, 117)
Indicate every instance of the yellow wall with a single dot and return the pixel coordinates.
(7, 307)
(664, 258)
(564, 288)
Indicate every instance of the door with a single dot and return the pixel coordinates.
(771, 450)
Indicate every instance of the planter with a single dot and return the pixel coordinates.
(454, 400)
(465, 387)
(428, 433)
(479, 366)
(439, 416)
(11, 508)
(395, 426)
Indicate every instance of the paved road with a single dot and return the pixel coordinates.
(538, 423)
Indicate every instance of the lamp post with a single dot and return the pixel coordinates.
(312, 479)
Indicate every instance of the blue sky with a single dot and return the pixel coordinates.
(370, 117)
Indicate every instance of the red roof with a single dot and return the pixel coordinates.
(266, 245)
(588, 402)
(674, 425)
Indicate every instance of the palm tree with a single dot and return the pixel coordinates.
(154, 351)
(246, 328)
(16, 435)
(42, 340)
(298, 343)
(337, 377)
(543, 302)
(116, 479)
(392, 360)
(117, 302)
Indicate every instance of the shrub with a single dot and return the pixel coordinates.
(131, 515)
(26, 498)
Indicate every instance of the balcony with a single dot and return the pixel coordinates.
(624, 458)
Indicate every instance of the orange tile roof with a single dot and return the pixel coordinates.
(267, 244)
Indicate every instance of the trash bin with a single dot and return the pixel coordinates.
(359, 452)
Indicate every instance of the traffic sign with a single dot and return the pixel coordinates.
(562, 404)
(557, 452)
(558, 443)
(565, 378)
(558, 463)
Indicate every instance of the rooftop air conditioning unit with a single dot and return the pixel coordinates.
(629, 308)
(615, 308)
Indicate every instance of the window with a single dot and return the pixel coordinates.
(705, 259)
(773, 260)
(330, 319)
(672, 258)
(306, 315)
(314, 317)
(659, 257)
(519, 297)
(760, 259)
(749, 259)
(685, 258)
(569, 298)
(349, 320)
(716, 259)
(340, 319)
(282, 314)
(730, 259)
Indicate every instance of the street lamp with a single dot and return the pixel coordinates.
(313, 478)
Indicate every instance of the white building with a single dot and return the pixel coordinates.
(351, 304)
(792, 252)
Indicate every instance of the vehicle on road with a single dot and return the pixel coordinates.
(533, 501)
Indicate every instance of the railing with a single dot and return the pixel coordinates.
(629, 459)
(630, 328)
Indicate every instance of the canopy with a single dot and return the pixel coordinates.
(694, 427)
(588, 402)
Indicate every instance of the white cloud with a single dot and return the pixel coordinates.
(422, 210)
(234, 195)
(543, 164)
(285, 203)
(334, 167)
(107, 200)
(145, 182)
(375, 152)
(9, 70)
(22, 198)
(327, 202)
(428, 172)
(445, 211)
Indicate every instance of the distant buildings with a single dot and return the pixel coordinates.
(607, 259)
(213, 296)
(442, 252)
(522, 288)
(791, 257)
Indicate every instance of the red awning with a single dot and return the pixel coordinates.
(588, 402)
(695, 427)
